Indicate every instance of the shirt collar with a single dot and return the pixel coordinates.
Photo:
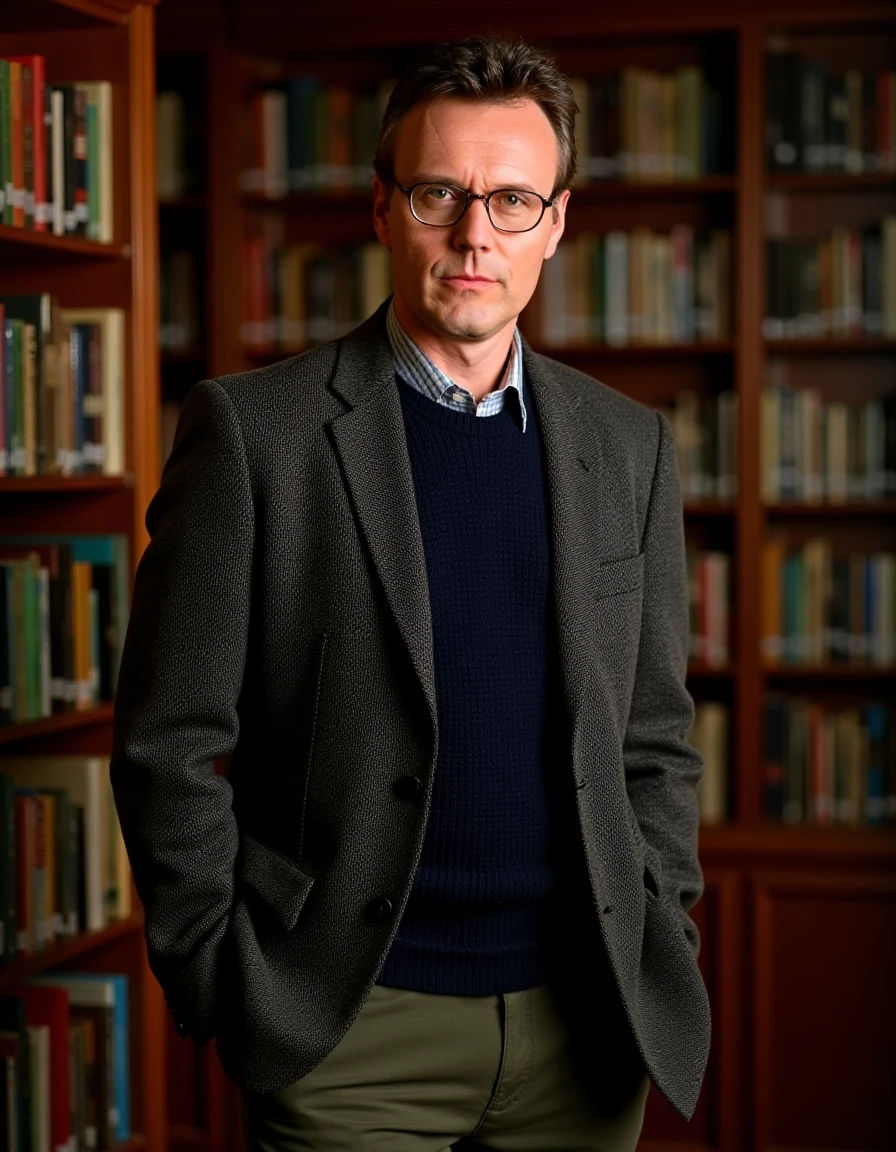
(414, 366)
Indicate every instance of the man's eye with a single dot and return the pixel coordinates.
(513, 200)
(439, 194)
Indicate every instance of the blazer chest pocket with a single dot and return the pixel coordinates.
(618, 577)
(274, 880)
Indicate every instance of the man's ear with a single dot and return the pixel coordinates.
(558, 222)
(382, 198)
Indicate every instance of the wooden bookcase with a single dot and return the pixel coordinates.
(798, 921)
(110, 40)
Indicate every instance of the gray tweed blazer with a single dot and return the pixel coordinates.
(281, 618)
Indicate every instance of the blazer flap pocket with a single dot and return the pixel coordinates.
(279, 883)
(619, 576)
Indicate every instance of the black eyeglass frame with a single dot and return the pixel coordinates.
(485, 197)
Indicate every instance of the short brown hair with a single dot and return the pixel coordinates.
(484, 69)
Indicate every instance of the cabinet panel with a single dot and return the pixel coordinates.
(825, 1013)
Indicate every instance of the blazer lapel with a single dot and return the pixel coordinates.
(575, 475)
(370, 442)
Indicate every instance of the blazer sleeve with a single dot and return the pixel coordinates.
(662, 769)
(176, 704)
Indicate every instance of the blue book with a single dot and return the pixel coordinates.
(105, 989)
(876, 728)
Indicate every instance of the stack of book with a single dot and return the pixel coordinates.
(710, 735)
(816, 451)
(823, 119)
(300, 294)
(63, 616)
(63, 866)
(640, 124)
(825, 766)
(843, 285)
(819, 608)
(309, 136)
(705, 430)
(637, 288)
(62, 382)
(64, 1063)
(56, 169)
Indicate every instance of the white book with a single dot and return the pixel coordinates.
(57, 156)
(169, 145)
(709, 736)
(84, 778)
(111, 323)
(276, 166)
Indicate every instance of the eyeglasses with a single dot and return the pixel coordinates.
(509, 209)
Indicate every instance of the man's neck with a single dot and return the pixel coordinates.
(478, 366)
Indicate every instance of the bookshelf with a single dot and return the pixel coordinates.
(82, 42)
(797, 918)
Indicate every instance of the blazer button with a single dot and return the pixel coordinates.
(408, 788)
(380, 908)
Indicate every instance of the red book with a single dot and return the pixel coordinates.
(34, 101)
(46, 1004)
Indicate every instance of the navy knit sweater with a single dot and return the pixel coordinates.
(476, 920)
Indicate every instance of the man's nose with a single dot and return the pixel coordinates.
(474, 229)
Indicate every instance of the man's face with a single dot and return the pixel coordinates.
(468, 282)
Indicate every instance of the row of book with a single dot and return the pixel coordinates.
(62, 388)
(643, 124)
(179, 307)
(841, 285)
(306, 135)
(63, 617)
(823, 119)
(63, 865)
(818, 451)
(709, 604)
(56, 169)
(819, 608)
(300, 294)
(638, 287)
(828, 765)
(705, 430)
(64, 1063)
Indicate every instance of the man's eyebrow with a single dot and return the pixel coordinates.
(437, 178)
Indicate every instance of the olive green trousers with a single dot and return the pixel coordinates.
(424, 1073)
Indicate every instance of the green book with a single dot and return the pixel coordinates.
(7, 870)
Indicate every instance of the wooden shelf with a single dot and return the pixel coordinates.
(654, 189)
(710, 508)
(60, 15)
(829, 673)
(17, 243)
(830, 182)
(193, 203)
(797, 508)
(24, 967)
(705, 672)
(823, 346)
(639, 351)
(63, 722)
(171, 357)
(800, 842)
(352, 199)
(62, 485)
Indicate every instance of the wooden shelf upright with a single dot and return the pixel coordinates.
(88, 40)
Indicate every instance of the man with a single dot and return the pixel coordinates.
(428, 590)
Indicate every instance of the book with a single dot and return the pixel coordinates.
(48, 1005)
(84, 778)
